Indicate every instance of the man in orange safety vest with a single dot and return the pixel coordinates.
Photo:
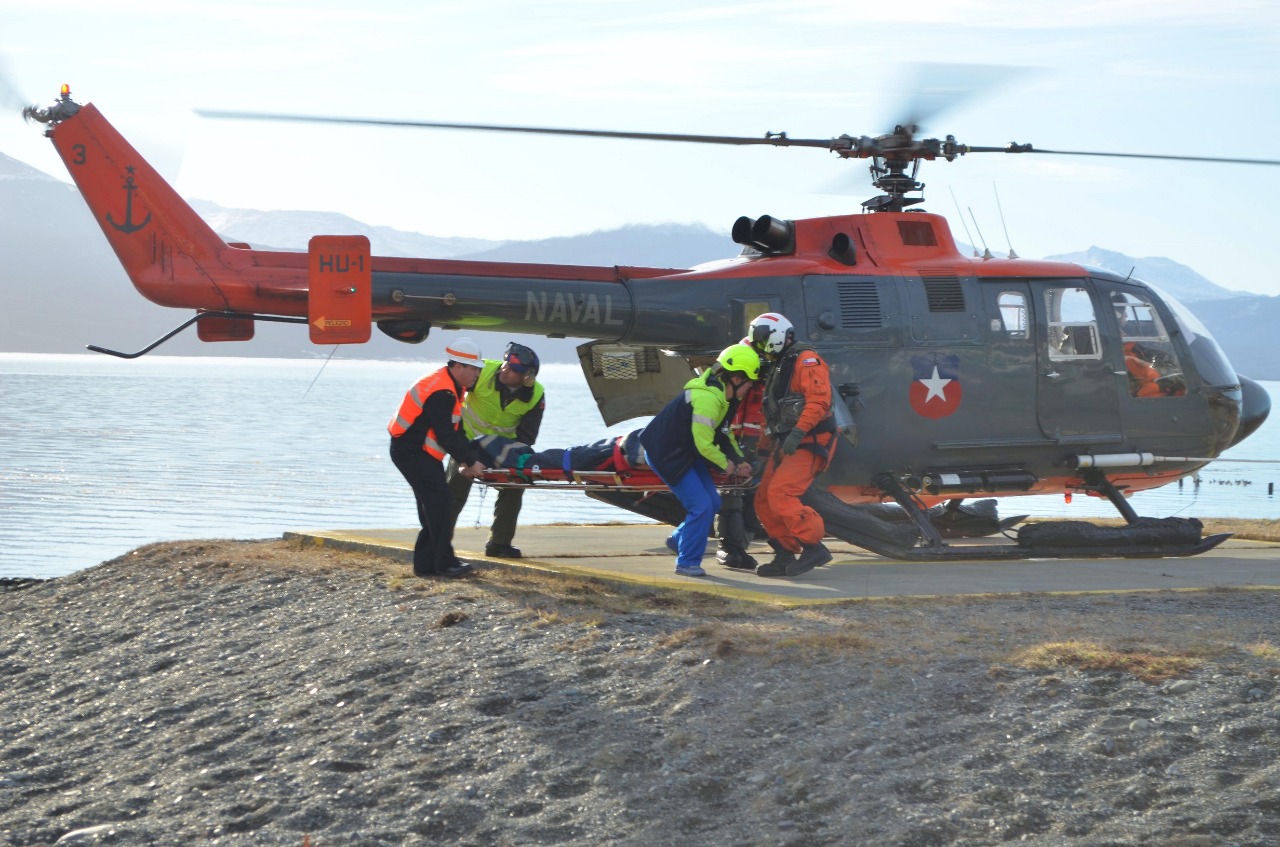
(426, 427)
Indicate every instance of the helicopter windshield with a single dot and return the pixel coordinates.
(1214, 367)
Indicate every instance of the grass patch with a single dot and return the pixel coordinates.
(1088, 656)
(1264, 650)
(1252, 530)
(449, 619)
(591, 599)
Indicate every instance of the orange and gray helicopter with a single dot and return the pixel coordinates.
(957, 376)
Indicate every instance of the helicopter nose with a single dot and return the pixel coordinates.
(1254, 408)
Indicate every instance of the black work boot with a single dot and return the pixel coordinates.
(736, 558)
(810, 557)
(781, 563)
(502, 551)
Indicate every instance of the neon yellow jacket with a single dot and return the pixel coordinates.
(483, 412)
(689, 429)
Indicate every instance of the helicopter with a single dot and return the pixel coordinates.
(956, 376)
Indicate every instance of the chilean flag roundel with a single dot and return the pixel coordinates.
(935, 390)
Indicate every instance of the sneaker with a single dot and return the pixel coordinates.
(690, 570)
(736, 558)
(502, 551)
(812, 556)
(672, 544)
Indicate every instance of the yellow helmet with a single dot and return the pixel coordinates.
(741, 358)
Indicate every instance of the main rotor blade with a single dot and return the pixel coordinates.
(1026, 148)
(774, 139)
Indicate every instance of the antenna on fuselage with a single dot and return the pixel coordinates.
(967, 235)
(1012, 255)
(986, 253)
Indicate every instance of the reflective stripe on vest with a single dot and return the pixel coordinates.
(483, 413)
(411, 408)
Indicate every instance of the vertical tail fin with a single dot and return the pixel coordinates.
(169, 252)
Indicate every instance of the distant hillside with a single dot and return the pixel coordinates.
(1179, 280)
(1245, 327)
(637, 245)
(293, 230)
(61, 286)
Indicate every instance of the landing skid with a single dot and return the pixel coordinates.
(921, 541)
(955, 518)
(1013, 552)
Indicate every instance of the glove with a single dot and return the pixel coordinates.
(792, 444)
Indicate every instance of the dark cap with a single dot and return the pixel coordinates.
(520, 358)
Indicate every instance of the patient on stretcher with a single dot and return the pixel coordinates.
(618, 453)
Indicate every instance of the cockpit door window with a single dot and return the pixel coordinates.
(1072, 325)
(1149, 356)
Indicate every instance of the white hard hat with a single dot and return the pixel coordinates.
(466, 351)
(771, 332)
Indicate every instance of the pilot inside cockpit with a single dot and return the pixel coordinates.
(1148, 354)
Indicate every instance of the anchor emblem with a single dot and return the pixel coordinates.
(129, 226)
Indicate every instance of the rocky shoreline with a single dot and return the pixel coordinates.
(263, 693)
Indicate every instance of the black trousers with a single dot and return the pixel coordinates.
(506, 511)
(433, 551)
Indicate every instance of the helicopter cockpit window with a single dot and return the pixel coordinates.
(1013, 314)
(1149, 356)
(1073, 325)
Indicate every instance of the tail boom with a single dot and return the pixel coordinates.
(174, 258)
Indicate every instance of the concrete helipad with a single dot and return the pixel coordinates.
(636, 554)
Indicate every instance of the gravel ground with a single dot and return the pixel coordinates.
(262, 693)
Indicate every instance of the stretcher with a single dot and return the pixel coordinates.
(631, 479)
(614, 463)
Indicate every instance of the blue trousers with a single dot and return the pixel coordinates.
(697, 493)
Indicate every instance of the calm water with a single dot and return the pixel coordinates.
(99, 456)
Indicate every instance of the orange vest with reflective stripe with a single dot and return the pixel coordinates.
(411, 408)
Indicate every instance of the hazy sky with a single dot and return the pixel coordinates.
(1183, 77)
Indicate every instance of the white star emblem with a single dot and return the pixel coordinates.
(935, 384)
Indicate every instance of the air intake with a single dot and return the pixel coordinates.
(917, 234)
(944, 293)
(859, 304)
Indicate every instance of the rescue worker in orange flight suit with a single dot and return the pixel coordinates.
(426, 427)
(802, 433)
(1142, 375)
